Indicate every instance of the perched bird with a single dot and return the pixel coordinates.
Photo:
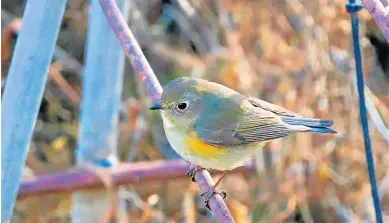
(215, 127)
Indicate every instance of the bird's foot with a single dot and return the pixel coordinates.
(207, 195)
(193, 170)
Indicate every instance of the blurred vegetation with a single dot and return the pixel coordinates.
(293, 53)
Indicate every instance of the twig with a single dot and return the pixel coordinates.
(12, 29)
(379, 14)
(124, 173)
(188, 207)
(69, 63)
(376, 101)
(153, 88)
(138, 202)
(139, 126)
(372, 111)
(377, 120)
(384, 185)
(57, 77)
(343, 212)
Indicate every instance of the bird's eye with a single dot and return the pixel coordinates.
(182, 106)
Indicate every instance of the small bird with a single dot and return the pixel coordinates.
(214, 127)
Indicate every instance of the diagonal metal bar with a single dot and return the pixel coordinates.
(153, 88)
(24, 89)
(380, 15)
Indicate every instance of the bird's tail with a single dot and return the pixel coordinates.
(314, 125)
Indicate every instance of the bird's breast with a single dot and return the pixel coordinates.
(200, 148)
(186, 143)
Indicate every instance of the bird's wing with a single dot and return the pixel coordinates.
(262, 125)
(254, 126)
(278, 110)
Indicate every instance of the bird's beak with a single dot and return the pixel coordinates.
(156, 106)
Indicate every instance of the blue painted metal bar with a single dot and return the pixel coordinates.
(24, 89)
(100, 107)
(353, 7)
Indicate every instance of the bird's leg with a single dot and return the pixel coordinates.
(214, 191)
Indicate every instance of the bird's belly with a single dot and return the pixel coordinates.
(190, 148)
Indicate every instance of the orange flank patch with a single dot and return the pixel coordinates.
(202, 149)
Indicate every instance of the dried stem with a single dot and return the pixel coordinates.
(60, 81)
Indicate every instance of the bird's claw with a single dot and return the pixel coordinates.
(207, 195)
(192, 171)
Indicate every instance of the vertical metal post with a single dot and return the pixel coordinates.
(23, 92)
(99, 115)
